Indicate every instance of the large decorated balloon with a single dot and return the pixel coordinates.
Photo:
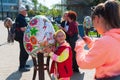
(87, 22)
(39, 34)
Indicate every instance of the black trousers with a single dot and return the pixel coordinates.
(72, 41)
(23, 55)
(75, 66)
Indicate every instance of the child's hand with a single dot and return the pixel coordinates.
(23, 29)
(53, 48)
(47, 49)
(87, 39)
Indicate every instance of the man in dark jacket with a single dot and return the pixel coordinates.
(20, 28)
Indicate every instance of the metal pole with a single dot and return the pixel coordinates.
(2, 9)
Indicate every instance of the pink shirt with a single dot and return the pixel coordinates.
(103, 55)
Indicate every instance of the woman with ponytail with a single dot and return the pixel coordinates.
(103, 53)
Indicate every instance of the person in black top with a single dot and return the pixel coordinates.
(70, 26)
(20, 28)
(65, 24)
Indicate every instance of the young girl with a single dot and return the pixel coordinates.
(64, 25)
(62, 57)
(8, 24)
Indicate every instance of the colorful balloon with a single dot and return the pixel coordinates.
(87, 22)
(39, 34)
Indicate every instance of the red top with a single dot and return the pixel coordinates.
(73, 28)
(64, 68)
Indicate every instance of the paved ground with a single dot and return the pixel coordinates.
(9, 55)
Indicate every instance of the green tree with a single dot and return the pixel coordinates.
(54, 12)
(35, 2)
(31, 13)
(43, 9)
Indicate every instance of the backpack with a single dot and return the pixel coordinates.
(12, 33)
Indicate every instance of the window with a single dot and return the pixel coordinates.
(4, 1)
(12, 1)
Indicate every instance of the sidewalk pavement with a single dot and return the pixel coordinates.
(9, 55)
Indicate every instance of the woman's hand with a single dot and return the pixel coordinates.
(23, 29)
(87, 40)
(79, 46)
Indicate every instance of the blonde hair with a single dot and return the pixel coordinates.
(58, 31)
(6, 22)
(63, 15)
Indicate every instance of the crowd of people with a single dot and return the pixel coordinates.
(20, 24)
(100, 56)
(69, 54)
(70, 26)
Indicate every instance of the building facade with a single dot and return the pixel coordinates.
(9, 8)
(63, 5)
(81, 7)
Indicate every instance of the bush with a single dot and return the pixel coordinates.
(55, 27)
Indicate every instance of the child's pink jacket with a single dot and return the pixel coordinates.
(103, 55)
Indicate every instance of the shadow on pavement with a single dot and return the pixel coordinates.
(30, 62)
(5, 43)
(14, 76)
(77, 76)
(17, 75)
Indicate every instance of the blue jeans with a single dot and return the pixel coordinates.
(109, 78)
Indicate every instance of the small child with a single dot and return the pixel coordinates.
(62, 57)
(8, 24)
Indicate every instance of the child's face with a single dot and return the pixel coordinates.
(9, 23)
(60, 37)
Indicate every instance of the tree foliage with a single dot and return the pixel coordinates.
(31, 13)
(43, 10)
(54, 12)
(35, 2)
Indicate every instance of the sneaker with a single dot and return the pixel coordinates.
(27, 65)
(24, 70)
(76, 70)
